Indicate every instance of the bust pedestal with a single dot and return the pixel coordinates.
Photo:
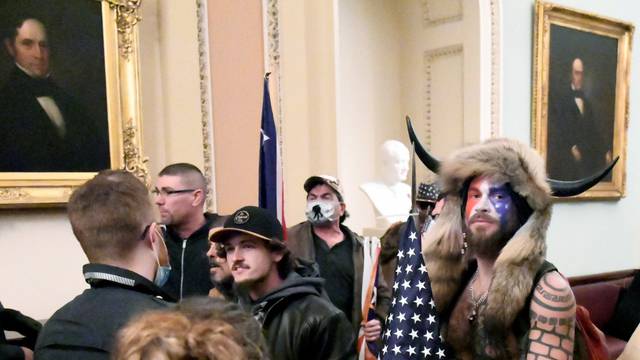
(391, 203)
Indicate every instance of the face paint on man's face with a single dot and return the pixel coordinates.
(487, 202)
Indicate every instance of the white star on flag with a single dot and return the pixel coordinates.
(421, 286)
(401, 317)
(426, 351)
(406, 284)
(412, 350)
(440, 353)
(423, 269)
(429, 335)
(264, 137)
(416, 318)
(396, 349)
(411, 293)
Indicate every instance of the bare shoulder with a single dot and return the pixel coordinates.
(553, 297)
(552, 314)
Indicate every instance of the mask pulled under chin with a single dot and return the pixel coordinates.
(162, 273)
(322, 212)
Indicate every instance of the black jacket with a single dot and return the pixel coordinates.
(85, 328)
(189, 274)
(15, 321)
(301, 324)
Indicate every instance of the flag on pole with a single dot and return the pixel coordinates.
(270, 192)
(371, 249)
(412, 328)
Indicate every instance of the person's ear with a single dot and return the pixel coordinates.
(198, 197)
(343, 208)
(276, 256)
(9, 46)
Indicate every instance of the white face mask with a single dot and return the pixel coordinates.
(322, 212)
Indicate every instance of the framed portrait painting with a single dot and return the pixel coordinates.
(69, 96)
(580, 96)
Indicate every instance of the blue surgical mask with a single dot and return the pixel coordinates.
(162, 275)
(320, 212)
(162, 272)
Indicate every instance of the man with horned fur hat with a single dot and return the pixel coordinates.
(498, 298)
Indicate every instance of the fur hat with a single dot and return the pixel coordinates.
(502, 160)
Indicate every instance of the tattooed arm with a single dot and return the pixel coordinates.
(553, 315)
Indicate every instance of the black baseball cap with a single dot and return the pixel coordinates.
(250, 220)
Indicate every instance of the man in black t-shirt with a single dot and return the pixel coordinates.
(338, 251)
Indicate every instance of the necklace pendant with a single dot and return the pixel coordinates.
(472, 316)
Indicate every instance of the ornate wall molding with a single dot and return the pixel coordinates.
(206, 118)
(430, 18)
(429, 57)
(126, 19)
(272, 63)
(495, 69)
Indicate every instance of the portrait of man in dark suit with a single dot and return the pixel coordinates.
(581, 103)
(43, 127)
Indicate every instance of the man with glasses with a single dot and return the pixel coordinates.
(180, 195)
(113, 219)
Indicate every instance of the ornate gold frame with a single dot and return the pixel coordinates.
(547, 14)
(119, 19)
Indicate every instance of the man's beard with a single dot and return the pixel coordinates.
(486, 244)
(224, 283)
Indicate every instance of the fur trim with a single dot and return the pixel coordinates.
(519, 165)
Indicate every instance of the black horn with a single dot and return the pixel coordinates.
(562, 188)
(427, 159)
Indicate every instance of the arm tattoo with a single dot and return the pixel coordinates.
(552, 315)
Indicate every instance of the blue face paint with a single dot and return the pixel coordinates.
(500, 198)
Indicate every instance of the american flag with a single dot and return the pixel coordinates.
(412, 327)
(270, 191)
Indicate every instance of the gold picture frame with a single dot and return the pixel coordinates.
(581, 95)
(121, 77)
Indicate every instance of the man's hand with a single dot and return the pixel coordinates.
(28, 354)
(372, 329)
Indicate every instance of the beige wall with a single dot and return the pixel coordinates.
(308, 97)
(237, 65)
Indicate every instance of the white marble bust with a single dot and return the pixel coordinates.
(390, 196)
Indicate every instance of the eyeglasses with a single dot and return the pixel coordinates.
(167, 192)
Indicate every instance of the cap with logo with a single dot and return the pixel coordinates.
(428, 192)
(328, 180)
(250, 220)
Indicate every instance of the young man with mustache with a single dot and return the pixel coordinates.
(297, 320)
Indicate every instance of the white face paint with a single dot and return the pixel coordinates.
(490, 208)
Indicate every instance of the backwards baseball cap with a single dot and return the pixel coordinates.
(250, 220)
(328, 180)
